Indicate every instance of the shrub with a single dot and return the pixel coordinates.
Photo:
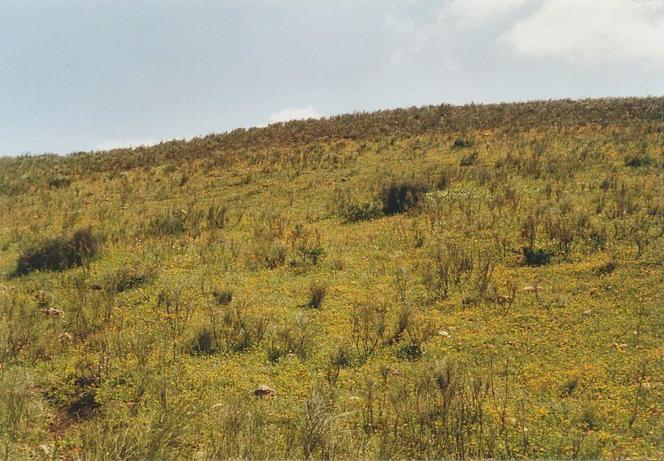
(126, 278)
(536, 256)
(59, 253)
(168, 222)
(410, 352)
(358, 212)
(175, 307)
(292, 337)
(400, 196)
(404, 318)
(241, 331)
(608, 266)
(568, 387)
(368, 323)
(269, 255)
(217, 216)
(238, 429)
(450, 264)
(419, 330)
(340, 358)
(469, 159)
(58, 181)
(19, 409)
(317, 292)
(306, 244)
(223, 297)
(204, 342)
(318, 428)
(460, 143)
(269, 251)
(638, 160)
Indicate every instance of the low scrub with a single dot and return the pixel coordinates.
(358, 212)
(126, 278)
(317, 293)
(638, 160)
(536, 256)
(295, 337)
(169, 222)
(400, 196)
(60, 253)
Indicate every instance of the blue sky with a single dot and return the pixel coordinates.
(96, 74)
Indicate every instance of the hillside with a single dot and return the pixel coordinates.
(481, 281)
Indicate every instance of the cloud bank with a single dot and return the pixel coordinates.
(577, 31)
(592, 31)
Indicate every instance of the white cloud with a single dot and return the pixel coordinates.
(294, 113)
(117, 144)
(442, 26)
(592, 31)
(475, 13)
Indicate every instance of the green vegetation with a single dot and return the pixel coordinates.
(437, 282)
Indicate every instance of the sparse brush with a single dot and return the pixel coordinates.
(217, 216)
(293, 336)
(399, 196)
(368, 324)
(469, 159)
(536, 256)
(126, 278)
(60, 253)
(19, 409)
(317, 293)
(222, 297)
(169, 222)
(318, 427)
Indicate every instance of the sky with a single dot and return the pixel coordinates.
(79, 75)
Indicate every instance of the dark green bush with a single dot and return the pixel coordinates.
(410, 352)
(460, 143)
(58, 181)
(536, 256)
(223, 297)
(469, 159)
(59, 253)
(400, 196)
(269, 255)
(317, 293)
(217, 216)
(204, 342)
(125, 279)
(169, 222)
(638, 160)
(361, 212)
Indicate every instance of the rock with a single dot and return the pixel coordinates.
(265, 391)
(444, 333)
(66, 338)
(532, 288)
(45, 449)
(53, 312)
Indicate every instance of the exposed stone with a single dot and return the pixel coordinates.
(66, 338)
(532, 288)
(265, 391)
(53, 312)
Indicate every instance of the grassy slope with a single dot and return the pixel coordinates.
(566, 369)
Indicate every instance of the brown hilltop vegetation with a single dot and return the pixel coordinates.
(480, 281)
